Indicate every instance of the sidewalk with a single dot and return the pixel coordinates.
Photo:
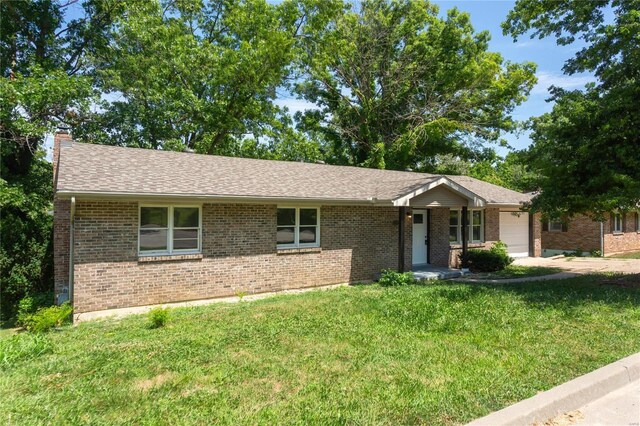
(607, 396)
(621, 407)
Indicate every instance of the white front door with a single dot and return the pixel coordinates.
(419, 243)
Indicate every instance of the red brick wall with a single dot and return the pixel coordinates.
(582, 232)
(439, 236)
(537, 235)
(239, 254)
(60, 225)
(60, 245)
(629, 240)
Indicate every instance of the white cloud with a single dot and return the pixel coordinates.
(569, 82)
(295, 105)
(528, 43)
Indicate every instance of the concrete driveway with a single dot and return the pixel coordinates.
(584, 265)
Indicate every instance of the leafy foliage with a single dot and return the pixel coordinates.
(198, 75)
(44, 319)
(158, 317)
(586, 148)
(30, 305)
(45, 82)
(397, 85)
(391, 278)
(492, 260)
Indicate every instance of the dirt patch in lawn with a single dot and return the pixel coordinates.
(146, 385)
(627, 281)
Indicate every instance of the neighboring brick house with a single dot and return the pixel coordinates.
(618, 233)
(135, 227)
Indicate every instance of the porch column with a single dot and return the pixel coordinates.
(401, 218)
(465, 235)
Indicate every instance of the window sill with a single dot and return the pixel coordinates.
(169, 257)
(296, 250)
(617, 233)
(458, 246)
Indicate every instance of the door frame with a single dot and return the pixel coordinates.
(427, 219)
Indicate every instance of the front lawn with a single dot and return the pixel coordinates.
(442, 353)
(630, 255)
(518, 271)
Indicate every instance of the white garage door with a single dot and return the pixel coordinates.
(514, 232)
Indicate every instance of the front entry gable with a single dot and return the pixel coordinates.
(440, 192)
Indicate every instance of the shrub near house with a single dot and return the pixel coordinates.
(495, 259)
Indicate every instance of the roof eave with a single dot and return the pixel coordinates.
(135, 196)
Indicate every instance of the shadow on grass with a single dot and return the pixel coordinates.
(611, 289)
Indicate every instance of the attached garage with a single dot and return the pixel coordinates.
(514, 232)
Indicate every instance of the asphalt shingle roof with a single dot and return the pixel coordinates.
(90, 168)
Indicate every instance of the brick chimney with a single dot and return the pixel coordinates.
(62, 135)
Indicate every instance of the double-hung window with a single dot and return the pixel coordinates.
(169, 230)
(475, 224)
(298, 227)
(555, 226)
(617, 223)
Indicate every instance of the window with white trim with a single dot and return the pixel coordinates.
(475, 224)
(169, 230)
(298, 227)
(555, 226)
(617, 222)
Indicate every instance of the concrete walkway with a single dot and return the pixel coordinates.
(584, 265)
(558, 276)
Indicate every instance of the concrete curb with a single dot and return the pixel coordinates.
(556, 276)
(568, 396)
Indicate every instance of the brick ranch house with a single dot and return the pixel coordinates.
(136, 227)
(618, 233)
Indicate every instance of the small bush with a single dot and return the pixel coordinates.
(29, 305)
(23, 346)
(44, 319)
(158, 317)
(492, 260)
(391, 278)
(595, 253)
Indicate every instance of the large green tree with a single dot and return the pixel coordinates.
(587, 149)
(201, 75)
(44, 83)
(396, 85)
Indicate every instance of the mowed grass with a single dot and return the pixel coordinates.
(442, 353)
(630, 255)
(518, 271)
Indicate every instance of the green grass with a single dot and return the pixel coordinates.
(631, 255)
(518, 271)
(442, 353)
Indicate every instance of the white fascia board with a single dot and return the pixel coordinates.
(474, 199)
(156, 197)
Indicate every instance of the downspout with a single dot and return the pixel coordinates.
(71, 233)
(602, 239)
